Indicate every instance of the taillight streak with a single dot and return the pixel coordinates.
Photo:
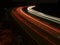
(39, 23)
(37, 32)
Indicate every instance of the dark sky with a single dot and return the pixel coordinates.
(39, 1)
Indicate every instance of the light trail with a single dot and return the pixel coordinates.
(36, 21)
(42, 15)
(39, 23)
(26, 23)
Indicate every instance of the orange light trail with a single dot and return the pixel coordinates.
(39, 23)
(27, 24)
(35, 21)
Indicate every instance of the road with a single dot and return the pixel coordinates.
(39, 30)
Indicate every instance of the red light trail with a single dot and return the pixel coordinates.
(19, 13)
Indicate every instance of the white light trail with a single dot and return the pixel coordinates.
(42, 15)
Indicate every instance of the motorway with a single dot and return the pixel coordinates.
(39, 30)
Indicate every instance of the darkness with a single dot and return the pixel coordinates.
(46, 6)
(50, 7)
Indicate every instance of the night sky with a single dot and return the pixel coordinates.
(39, 1)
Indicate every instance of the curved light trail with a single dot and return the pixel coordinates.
(39, 23)
(21, 19)
(42, 15)
(35, 20)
